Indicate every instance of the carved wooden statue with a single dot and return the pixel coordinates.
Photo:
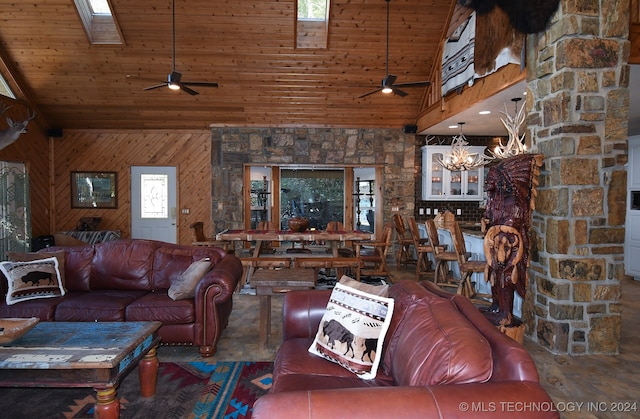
(511, 190)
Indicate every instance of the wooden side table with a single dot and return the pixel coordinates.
(268, 282)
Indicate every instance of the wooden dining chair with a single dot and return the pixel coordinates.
(373, 254)
(200, 239)
(423, 248)
(467, 266)
(442, 256)
(345, 249)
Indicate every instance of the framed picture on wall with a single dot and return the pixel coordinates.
(94, 190)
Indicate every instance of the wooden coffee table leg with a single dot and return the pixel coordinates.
(108, 405)
(265, 319)
(148, 373)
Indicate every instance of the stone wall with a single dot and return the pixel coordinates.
(232, 148)
(578, 109)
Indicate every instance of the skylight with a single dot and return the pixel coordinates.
(99, 22)
(312, 23)
(100, 7)
(5, 90)
(312, 9)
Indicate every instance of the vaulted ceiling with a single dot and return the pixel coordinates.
(248, 47)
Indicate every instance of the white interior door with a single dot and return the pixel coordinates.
(153, 203)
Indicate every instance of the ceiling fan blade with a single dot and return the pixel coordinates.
(188, 90)
(389, 80)
(399, 92)
(155, 87)
(414, 84)
(370, 93)
(200, 83)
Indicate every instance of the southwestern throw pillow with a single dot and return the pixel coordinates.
(379, 290)
(352, 330)
(28, 257)
(31, 280)
(185, 285)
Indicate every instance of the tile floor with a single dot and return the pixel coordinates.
(607, 381)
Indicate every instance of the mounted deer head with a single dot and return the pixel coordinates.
(11, 134)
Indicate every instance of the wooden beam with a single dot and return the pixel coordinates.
(16, 85)
(634, 39)
(482, 89)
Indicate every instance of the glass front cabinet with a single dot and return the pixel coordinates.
(440, 183)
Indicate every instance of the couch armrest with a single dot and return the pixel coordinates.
(302, 311)
(226, 274)
(520, 400)
(214, 301)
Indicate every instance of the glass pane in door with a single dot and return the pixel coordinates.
(155, 193)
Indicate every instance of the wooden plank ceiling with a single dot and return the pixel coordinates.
(245, 46)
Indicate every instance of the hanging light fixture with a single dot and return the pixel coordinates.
(461, 158)
(515, 145)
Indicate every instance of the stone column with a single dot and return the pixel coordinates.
(578, 110)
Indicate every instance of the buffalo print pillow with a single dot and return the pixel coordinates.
(352, 330)
(31, 280)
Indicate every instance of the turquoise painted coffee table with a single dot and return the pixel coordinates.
(96, 355)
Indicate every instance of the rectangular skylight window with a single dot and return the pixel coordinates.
(99, 7)
(5, 90)
(312, 23)
(99, 22)
(312, 9)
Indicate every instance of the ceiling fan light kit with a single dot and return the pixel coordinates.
(388, 84)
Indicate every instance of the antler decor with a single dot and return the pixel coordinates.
(10, 135)
(515, 145)
(461, 158)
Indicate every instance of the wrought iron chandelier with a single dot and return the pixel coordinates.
(515, 145)
(461, 158)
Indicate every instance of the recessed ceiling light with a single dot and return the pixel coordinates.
(484, 112)
(453, 126)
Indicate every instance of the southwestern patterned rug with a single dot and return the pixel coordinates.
(218, 390)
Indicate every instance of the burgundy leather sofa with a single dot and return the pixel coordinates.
(442, 359)
(128, 280)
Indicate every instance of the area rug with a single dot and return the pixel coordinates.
(218, 390)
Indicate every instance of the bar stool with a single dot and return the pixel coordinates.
(467, 267)
(441, 256)
(403, 256)
(423, 248)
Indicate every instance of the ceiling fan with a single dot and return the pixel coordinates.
(174, 79)
(388, 84)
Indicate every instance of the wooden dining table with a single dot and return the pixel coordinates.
(333, 238)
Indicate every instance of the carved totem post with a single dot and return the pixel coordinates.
(511, 190)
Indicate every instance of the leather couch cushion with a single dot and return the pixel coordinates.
(77, 266)
(157, 306)
(433, 343)
(123, 264)
(43, 309)
(295, 369)
(97, 305)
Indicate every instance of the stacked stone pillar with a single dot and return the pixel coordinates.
(578, 103)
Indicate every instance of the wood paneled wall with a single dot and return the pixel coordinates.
(117, 151)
